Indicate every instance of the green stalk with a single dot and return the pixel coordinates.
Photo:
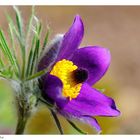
(29, 27)
(38, 74)
(22, 120)
(7, 52)
(1, 63)
(57, 122)
(13, 47)
(76, 128)
(22, 40)
(23, 110)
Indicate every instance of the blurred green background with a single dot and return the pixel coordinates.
(113, 27)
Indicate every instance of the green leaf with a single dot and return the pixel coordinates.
(51, 56)
(35, 56)
(3, 76)
(34, 52)
(14, 30)
(38, 74)
(17, 35)
(29, 26)
(7, 52)
(45, 41)
(29, 62)
(1, 63)
(75, 127)
(21, 39)
(6, 72)
(13, 46)
(19, 21)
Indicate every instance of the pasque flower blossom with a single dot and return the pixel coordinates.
(75, 70)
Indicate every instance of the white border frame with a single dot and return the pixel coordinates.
(69, 137)
(70, 2)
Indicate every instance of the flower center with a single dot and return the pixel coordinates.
(71, 77)
(80, 75)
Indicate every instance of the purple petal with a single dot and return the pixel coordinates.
(72, 38)
(91, 121)
(95, 59)
(90, 102)
(85, 119)
(51, 53)
(52, 90)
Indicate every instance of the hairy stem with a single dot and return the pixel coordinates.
(20, 126)
(23, 112)
(23, 115)
(22, 119)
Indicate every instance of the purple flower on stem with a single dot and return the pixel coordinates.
(74, 71)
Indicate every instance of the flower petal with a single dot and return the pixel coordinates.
(52, 90)
(51, 53)
(95, 59)
(92, 122)
(85, 119)
(72, 38)
(90, 102)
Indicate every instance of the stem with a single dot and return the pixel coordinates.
(20, 127)
(75, 127)
(23, 115)
(23, 110)
(21, 124)
(57, 122)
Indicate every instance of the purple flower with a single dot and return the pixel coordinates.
(74, 71)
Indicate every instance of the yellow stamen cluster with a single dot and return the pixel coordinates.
(63, 70)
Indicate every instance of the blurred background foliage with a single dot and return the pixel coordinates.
(114, 27)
